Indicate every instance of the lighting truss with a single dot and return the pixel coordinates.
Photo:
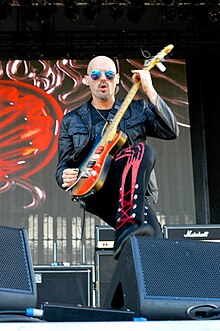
(120, 2)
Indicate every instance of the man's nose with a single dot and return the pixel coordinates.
(103, 75)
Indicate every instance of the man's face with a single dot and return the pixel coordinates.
(102, 78)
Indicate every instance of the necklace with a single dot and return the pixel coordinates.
(100, 114)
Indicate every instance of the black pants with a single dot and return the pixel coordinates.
(123, 198)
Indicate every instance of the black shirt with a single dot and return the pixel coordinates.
(96, 117)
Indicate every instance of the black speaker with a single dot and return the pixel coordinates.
(17, 280)
(104, 268)
(163, 279)
(65, 285)
(65, 313)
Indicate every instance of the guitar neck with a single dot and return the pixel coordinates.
(125, 104)
(111, 128)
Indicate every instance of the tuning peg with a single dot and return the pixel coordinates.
(161, 66)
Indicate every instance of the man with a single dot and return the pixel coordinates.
(123, 200)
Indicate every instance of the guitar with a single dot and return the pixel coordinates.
(93, 170)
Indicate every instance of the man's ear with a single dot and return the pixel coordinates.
(117, 78)
(85, 80)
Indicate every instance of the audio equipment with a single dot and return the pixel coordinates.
(104, 237)
(17, 281)
(104, 261)
(64, 313)
(104, 268)
(210, 232)
(166, 279)
(65, 285)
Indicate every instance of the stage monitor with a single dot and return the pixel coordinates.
(17, 280)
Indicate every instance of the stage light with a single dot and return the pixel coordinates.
(136, 9)
(138, 4)
(169, 14)
(92, 10)
(185, 14)
(212, 2)
(116, 11)
(214, 14)
(72, 12)
(134, 14)
(167, 2)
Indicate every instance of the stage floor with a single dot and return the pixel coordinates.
(207, 325)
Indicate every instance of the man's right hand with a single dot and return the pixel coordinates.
(69, 177)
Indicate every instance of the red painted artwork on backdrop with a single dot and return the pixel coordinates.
(30, 116)
(29, 127)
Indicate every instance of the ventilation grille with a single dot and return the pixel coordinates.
(180, 268)
(14, 268)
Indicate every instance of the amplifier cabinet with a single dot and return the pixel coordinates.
(104, 237)
(104, 267)
(65, 285)
(210, 232)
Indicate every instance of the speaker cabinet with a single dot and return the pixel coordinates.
(65, 285)
(17, 281)
(163, 279)
(104, 268)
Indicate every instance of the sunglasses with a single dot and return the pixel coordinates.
(96, 74)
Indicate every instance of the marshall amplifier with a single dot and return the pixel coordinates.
(210, 232)
(104, 237)
(104, 261)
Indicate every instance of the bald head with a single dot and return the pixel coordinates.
(100, 62)
(102, 87)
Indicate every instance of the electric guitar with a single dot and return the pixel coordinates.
(93, 170)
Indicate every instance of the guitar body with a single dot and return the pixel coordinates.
(94, 169)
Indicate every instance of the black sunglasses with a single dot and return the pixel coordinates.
(96, 74)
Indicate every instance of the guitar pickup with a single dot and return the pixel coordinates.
(90, 164)
(95, 156)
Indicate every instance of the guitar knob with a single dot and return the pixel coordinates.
(161, 66)
(94, 173)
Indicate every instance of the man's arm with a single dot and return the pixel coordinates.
(66, 174)
(144, 77)
(165, 126)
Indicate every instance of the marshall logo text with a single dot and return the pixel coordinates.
(194, 234)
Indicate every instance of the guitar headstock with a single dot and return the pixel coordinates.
(158, 58)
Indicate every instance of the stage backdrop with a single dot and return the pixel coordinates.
(34, 95)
